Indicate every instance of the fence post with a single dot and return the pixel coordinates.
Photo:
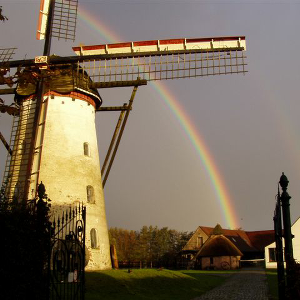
(84, 233)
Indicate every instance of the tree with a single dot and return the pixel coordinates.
(144, 244)
(125, 242)
(25, 234)
(151, 245)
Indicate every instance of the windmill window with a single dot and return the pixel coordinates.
(86, 149)
(272, 254)
(94, 238)
(199, 241)
(90, 194)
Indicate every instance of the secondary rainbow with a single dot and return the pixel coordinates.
(185, 121)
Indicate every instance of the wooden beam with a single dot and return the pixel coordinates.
(113, 84)
(116, 132)
(5, 144)
(7, 91)
(74, 59)
(122, 124)
(112, 108)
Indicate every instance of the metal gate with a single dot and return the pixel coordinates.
(67, 256)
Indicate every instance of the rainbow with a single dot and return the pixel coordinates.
(193, 134)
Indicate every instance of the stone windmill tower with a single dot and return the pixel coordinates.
(53, 137)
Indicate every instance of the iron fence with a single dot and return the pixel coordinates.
(67, 255)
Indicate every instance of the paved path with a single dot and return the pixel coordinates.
(248, 284)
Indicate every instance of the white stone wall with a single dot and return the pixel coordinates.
(66, 171)
(219, 262)
(296, 246)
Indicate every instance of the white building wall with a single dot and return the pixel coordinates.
(296, 246)
(66, 171)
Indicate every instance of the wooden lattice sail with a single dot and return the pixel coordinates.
(163, 59)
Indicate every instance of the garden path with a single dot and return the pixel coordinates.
(248, 284)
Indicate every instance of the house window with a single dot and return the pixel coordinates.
(199, 241)
(90, 194)
(211, 260)
(94, 238)
(272, 254)
(86, 149)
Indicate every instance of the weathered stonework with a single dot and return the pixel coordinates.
(66, 171)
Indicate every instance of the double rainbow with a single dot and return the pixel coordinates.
(185, 121)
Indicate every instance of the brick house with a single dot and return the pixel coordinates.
(251, 243)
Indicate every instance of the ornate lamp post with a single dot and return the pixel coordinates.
(279, 248)
(285, 202)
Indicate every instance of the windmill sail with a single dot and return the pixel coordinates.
(163, 59)
(42, 21)
(6, 54)
(64, 19)
(15, 173)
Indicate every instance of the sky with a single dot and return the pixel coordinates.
(249, 124)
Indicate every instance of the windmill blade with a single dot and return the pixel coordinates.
(163, 59)
(6, 54)
(135, 63)
(64, 19)
(167, 66)
(43, 18)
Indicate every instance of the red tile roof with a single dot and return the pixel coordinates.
(260, 239)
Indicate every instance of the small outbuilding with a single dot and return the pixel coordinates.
(270, 250)
(218, 253)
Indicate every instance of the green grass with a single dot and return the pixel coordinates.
(146, 284)
(272, 283)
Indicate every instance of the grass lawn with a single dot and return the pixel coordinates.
(272, 283)
(151, 284)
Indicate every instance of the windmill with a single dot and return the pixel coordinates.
(53, 138)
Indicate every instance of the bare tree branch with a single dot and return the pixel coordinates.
(2, 18)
